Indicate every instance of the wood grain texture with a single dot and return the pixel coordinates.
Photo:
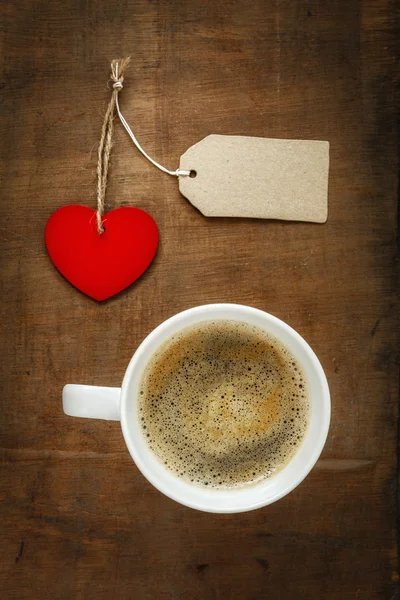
(78, 520)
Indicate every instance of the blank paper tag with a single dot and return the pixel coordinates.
(239, 176)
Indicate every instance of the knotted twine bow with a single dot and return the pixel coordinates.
(118, 67)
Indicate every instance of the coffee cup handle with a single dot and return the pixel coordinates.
(92, 402)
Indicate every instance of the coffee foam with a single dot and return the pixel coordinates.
(223, 404)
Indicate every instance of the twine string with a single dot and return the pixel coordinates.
(118, 66)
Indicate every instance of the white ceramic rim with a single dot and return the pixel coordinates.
(169, 483)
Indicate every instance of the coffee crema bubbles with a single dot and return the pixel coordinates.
(223, 404)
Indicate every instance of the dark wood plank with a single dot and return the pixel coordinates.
(78, 519)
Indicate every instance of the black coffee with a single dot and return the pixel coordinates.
(223, 404)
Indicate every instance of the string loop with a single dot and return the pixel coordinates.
(176, 173)
(103, 157)
(118, 66)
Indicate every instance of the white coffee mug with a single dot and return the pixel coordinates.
(120, 404)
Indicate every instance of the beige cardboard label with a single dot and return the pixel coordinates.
(238, 176)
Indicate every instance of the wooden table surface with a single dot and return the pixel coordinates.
(79, 521)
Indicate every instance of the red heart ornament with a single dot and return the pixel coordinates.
(101, 265)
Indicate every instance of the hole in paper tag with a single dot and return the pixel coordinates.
(238, 176)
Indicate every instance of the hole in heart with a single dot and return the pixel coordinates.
(193, 174)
